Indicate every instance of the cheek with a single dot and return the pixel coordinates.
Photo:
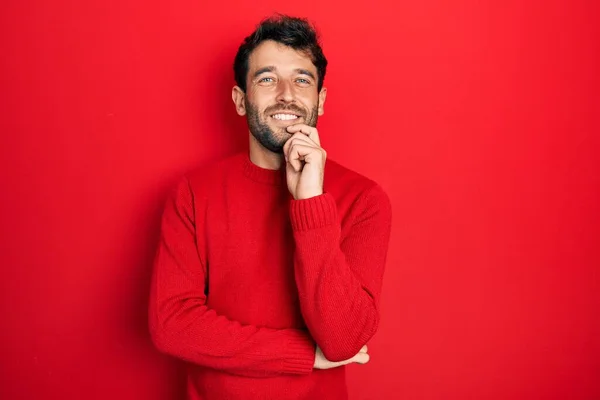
(261, 103)
(254, 103)
(310, 101)
(262, 93)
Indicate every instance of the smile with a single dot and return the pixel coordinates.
(284, 117)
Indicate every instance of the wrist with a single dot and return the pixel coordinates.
(304, 196)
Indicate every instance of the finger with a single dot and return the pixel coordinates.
(361, 358)
(299, 136)
(306, 129)
(364, 349)
(294, 139)
(294, 158)
(302, 136)
(309, 131)
(298, 153)
(296, 165)
(336, 364)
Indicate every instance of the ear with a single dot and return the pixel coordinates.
(238, 96)
(322, 97)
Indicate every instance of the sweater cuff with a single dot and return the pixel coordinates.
(314, 212)
(300, 358)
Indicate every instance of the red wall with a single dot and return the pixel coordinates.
(479, 118)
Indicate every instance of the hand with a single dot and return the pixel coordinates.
(362, 357)
(305, 162)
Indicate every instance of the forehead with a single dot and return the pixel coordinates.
(282, 57)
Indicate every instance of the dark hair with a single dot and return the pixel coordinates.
(294, 32)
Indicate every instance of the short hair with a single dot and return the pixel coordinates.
(293, 32)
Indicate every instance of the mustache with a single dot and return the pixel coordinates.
(293, 108)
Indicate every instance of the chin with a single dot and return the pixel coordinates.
(285, 134)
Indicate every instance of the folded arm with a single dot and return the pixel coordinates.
(339, 278)
(182, 325)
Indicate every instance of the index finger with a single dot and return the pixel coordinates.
(309, 131)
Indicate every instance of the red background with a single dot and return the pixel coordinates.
(479, 118)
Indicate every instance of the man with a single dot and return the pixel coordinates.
(269, 269)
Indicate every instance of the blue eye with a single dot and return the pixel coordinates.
(302, 80)
(264, 79)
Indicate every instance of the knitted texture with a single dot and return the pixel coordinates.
(248, 281)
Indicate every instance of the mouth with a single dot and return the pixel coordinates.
(285, 117)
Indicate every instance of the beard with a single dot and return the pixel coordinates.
(273, 139)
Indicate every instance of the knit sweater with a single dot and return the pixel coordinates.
(247, 281)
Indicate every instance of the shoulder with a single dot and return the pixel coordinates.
(355, 193)
(202, 180)
(212, 174)
(214, 170)
(340, 179)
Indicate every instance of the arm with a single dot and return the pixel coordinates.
(183, 326)
(339, 279)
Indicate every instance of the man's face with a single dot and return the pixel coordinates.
(281, 90)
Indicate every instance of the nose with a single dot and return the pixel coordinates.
(285, 92)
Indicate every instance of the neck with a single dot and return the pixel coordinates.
(262, 157)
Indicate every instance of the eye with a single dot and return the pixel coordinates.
(303, 81)
(265, 79)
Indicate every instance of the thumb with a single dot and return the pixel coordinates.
(361, 358)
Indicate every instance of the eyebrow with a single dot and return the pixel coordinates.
(305, 72)
(263, 70)
(271, 68)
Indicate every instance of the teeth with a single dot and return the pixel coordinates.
(284, 116)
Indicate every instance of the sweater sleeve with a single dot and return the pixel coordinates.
(339, 278)
(183, 326)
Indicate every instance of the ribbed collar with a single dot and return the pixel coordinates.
(274, 177)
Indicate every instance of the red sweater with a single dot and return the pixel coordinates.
(247, 280)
